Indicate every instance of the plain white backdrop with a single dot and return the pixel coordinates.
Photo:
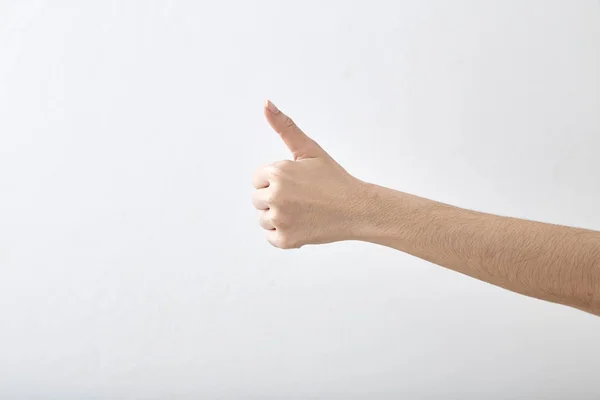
(132, 265)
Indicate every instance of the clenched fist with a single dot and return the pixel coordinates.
(310, 200)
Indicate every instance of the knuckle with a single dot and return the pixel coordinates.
(274, 195)
(280, 168)
(289, 123)
(287, 242)
(264, 223)
(269, 197)
(280, 219)
(257, 172)
(283, 165)
(273, 215)
(256, 200)
(283, 241)
(273, 238)
(274, 172)
(259, 178)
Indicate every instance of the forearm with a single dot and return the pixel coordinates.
(550, 262)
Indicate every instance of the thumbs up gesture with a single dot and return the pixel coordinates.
(310, 200)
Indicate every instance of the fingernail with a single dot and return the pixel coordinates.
(271, 107)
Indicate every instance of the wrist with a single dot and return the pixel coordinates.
(374, 213)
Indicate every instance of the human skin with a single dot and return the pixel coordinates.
(311, 199)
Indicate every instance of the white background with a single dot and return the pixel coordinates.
(131, 261)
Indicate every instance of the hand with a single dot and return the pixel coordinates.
(309, 200)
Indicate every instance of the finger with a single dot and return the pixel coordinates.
(296, 141)
(273, 238)
(259, 199)
(264, 222)
(260, 179)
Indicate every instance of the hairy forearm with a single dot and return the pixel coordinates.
(555, 263)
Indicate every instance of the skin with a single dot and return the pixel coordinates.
(313, 200)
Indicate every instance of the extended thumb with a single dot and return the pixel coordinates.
(297, 141)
